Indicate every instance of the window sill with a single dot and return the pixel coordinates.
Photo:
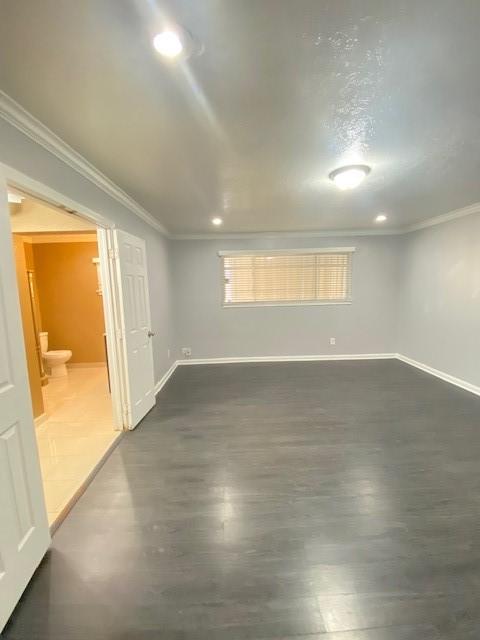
(231, 305)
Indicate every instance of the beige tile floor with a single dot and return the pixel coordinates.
(77, 432)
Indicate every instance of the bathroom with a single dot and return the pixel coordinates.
(60, 294)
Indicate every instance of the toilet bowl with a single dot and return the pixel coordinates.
(55, 361)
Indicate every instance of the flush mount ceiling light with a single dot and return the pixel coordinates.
(350, 176)
(176, 43)
(15, 198)
(217, 221)
(381, 217)
(168, 44)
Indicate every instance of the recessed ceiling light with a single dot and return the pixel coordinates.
(381, 217)
(15, 198)
(168, 44)
(217, 221)
(350, 176)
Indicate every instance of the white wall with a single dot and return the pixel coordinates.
(440, 298)
(368, 325)
(20, 152)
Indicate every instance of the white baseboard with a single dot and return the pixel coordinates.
(40, 419)
(463, 384)
(163, 380)
(193, 361)
(458, 382)
(323, 357)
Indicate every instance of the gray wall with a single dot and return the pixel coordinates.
(417, 294)
(368, 325)
(440, 297)
(18, 151)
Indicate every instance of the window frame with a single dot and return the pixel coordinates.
(285, 252)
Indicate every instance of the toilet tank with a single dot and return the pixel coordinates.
(43, 341)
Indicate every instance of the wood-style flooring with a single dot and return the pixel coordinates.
(308, 501)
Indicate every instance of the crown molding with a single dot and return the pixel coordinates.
(444, 217)
(24, 121)
(424, 224)
(342, 233)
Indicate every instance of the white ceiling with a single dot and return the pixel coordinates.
(285, 91)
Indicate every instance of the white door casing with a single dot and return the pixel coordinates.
(136, 334)
(24, 532)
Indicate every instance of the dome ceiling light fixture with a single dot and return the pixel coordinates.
(176, 42)
(15, 198)
(217, 221)
(168, 44)
(381, 217)
(350, 176)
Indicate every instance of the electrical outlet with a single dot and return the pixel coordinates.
(186, 352)
(333, 341)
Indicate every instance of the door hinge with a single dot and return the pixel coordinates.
(113, 254)
(119, 333)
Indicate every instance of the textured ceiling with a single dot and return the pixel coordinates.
(284, 92)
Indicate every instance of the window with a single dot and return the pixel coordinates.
(306, 276)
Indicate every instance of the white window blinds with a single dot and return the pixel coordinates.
(314, 276)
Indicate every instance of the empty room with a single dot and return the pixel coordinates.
(239, 320)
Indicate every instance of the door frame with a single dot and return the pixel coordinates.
(110, 287)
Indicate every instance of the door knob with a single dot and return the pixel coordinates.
(150, 334)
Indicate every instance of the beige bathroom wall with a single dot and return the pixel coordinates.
(70, 306)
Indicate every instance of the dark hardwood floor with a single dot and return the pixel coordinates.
(330, 499)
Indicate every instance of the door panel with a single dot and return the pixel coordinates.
(12, 460)
(136, 331)
(24, 532)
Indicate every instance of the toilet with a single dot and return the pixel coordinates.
(55, 361)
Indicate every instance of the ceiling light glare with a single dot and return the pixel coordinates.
(217, 221)
(168, 44)
(381, 217)
(349, 177)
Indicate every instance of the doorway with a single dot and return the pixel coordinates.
(60, 288)
(122, 263)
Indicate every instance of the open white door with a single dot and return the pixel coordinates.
(136, 329)
(24, 532)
